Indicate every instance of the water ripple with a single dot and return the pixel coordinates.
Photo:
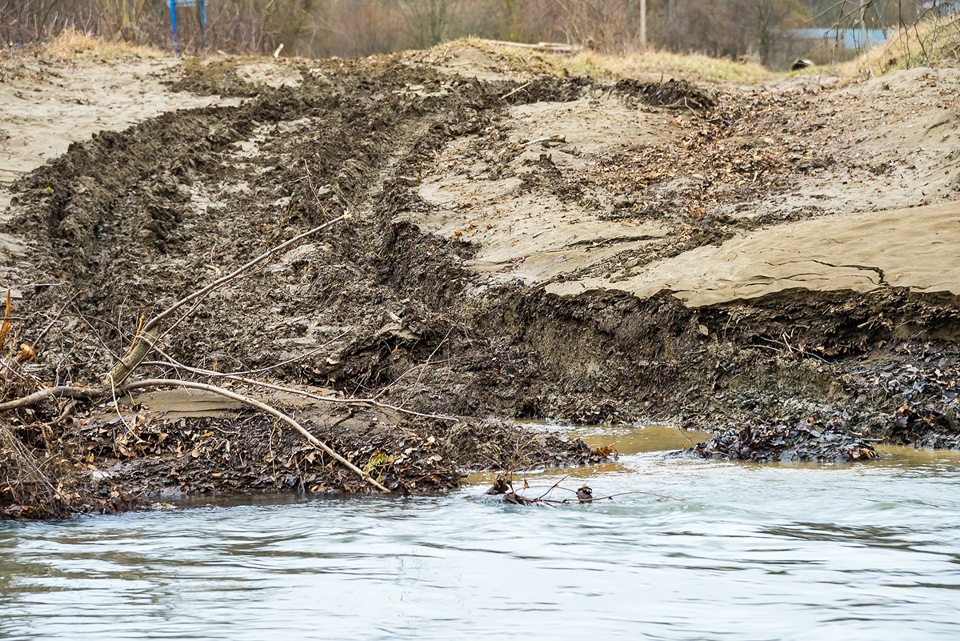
(746, 552)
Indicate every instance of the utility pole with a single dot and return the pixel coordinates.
(643, 24)
(632, 14)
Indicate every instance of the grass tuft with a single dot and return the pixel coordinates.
(648, 65)
(934, 41)
(72, 43)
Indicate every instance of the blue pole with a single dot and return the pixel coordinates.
(173, 24)
(203, 20)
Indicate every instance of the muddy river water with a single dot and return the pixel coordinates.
(739, 552)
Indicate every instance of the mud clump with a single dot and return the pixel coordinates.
(803, 442)
(672, 93)
(548, 90)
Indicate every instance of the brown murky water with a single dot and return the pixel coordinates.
(740, 552)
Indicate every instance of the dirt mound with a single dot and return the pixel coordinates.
(475, 206)
(133, 220)
(672, 93)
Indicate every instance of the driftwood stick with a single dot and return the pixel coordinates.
(153, 322)
(313, 440)
(150, 333)
(60, 391)
(292, 390)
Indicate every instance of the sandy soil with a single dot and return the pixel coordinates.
(774, 260)
(47, 104)
(904, 248)
(896, 139)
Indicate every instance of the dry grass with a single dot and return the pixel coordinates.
(650, 65)
(655, 64)
(931, 42)
(77, 44)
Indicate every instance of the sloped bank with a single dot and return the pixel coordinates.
(380, 308)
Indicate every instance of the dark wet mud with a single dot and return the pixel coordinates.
(125, 224)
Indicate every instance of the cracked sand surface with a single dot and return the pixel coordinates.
(915, 248)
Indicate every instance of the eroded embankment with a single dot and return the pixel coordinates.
(377, 306)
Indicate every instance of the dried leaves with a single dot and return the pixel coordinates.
(740, 152)
(5, 325)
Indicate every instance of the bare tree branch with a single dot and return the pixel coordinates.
(149, 335)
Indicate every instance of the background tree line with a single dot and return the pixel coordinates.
(317, 28)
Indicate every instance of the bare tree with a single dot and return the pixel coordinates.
(767, 20)
(428, 19)
(604, 25)
(121, 15)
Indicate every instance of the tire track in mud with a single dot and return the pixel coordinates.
(138, 218)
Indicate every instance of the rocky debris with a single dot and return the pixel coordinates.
(803, 442)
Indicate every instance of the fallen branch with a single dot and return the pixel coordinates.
(313, 440)
(61, 391)
(170, 362)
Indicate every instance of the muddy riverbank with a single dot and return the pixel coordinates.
(519, 245)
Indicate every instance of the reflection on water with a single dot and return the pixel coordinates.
(631, 440)
(752, 552)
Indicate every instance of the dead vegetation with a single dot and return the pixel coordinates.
(524, 494)
(933, 40)
(31, 488)
(72, 43)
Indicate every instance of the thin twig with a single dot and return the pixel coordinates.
(552, 487)
(55, 318)
(153, 322)
(63, 415)
(606, 498)
(517, 90)
(13, 371)
(416, 383)
(149, 336)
